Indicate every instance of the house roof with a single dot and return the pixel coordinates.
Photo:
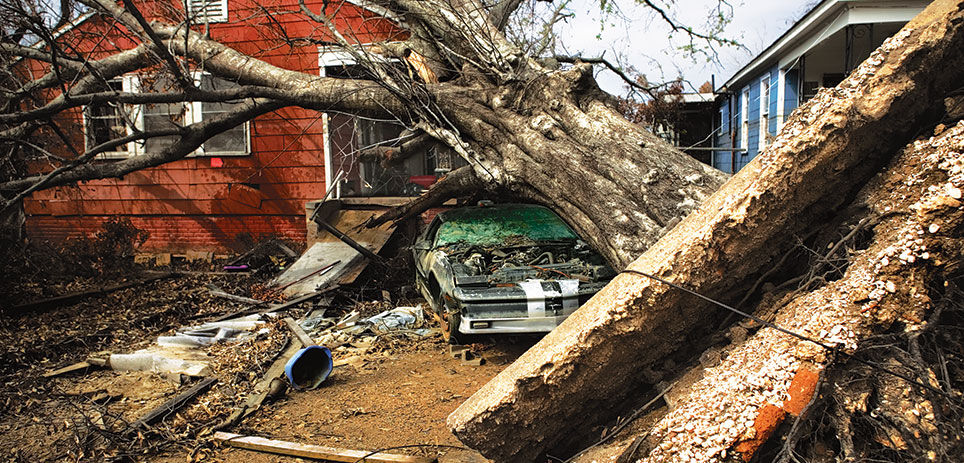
(828, 17)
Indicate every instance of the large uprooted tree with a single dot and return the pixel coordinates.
(527, 128)
(806, 232)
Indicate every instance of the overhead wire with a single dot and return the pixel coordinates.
(834, 349)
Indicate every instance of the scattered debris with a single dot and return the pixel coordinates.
(268, 385)
(181, 353)
(80, 295)
(400, 321)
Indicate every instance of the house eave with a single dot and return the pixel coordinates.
(828, 17)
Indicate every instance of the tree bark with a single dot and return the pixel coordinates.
(558, 143)
(894, 281)
(577, 376)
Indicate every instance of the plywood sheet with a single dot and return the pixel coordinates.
(325, 249)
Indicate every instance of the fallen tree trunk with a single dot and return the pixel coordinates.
(578, 376)
(907, 270)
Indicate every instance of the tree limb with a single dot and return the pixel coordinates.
(192, 137)
(394, 155)
(73, 101)
(458, 182)
(501, 11)
(615, 69)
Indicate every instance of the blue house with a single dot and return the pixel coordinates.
(818, 51)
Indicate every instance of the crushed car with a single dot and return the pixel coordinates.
(504, 268)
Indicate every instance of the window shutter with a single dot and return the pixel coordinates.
(208, 10)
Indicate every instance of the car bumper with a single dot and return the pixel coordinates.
(509, 325)
(532, 306)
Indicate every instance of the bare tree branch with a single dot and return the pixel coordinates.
(192, 137)
(613, 68)
(394, 155)
(186, 83)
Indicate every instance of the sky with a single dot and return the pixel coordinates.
(646, 45)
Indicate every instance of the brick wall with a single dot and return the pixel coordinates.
(174, 233)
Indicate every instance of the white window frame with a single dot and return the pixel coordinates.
(764, 111)
(745, 119)
(328, 56)
(128, 84)
(193, 113)
(214, 11)
(781, 97)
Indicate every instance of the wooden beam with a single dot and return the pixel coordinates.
(313, 451)
(295, 328)
(275, 307)
(173, 404)
(215, 291)
(79, 366)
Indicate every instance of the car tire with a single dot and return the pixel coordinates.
(455, 336)
(450, 328)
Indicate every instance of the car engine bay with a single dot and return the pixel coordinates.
(474, 265)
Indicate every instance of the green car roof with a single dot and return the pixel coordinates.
(502, 223)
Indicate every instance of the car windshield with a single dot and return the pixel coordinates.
(502, 225)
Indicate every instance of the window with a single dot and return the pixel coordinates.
(347, 135)
(104, 122)
(764, 111)
(233, 141)
(160, 116)
(208, 11)
(745, 120)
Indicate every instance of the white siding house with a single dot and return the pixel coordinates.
(818, 51)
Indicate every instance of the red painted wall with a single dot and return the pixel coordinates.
(203, 203)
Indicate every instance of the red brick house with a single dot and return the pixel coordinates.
(253, 179)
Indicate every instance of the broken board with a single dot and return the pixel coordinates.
(313, 451)
(328, 249)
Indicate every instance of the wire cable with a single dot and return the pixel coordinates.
(831, 348)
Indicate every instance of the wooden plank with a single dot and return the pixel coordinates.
(215, 291)
(173, 404)
(299, 333)
(319, 452)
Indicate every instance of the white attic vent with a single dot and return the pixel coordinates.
(214, 11)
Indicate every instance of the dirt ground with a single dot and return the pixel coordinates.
(397, 392)
(397, 398)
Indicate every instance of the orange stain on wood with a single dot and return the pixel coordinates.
(802, 388)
